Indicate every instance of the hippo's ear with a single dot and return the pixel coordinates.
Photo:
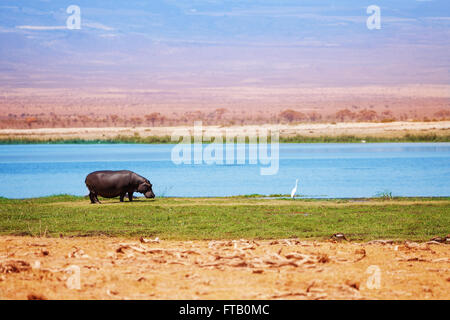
(142, 188)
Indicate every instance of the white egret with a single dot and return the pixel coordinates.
(294, 191)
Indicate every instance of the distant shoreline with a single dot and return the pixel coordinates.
(295, 139)
(347, 132)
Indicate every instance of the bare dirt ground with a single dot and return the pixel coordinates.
(114, 268)
(363, 129)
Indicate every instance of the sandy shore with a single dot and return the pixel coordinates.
(360, 129)
(114, 268)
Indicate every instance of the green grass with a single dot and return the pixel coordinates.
(415, 219)
(283, 139)
(368, 139)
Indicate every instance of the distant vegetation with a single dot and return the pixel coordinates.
(219, 116)
(368, 139)
(283, 139)
(386, 195)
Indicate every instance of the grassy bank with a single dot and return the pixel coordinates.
(228, 218)
(283, 139)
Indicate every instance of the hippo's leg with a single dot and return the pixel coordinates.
(93, 197)
(122, 196)
(130, 196)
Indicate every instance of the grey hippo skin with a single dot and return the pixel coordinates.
(110, 184)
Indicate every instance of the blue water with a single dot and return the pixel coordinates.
(323, 170)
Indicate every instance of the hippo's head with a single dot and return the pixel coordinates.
(146, 189)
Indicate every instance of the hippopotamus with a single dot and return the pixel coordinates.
(110, 184)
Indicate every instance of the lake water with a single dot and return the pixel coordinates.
(323, 170)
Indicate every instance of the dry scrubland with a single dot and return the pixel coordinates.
(30, 108)
(127, 115)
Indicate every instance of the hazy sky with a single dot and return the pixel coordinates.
(223, 43)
